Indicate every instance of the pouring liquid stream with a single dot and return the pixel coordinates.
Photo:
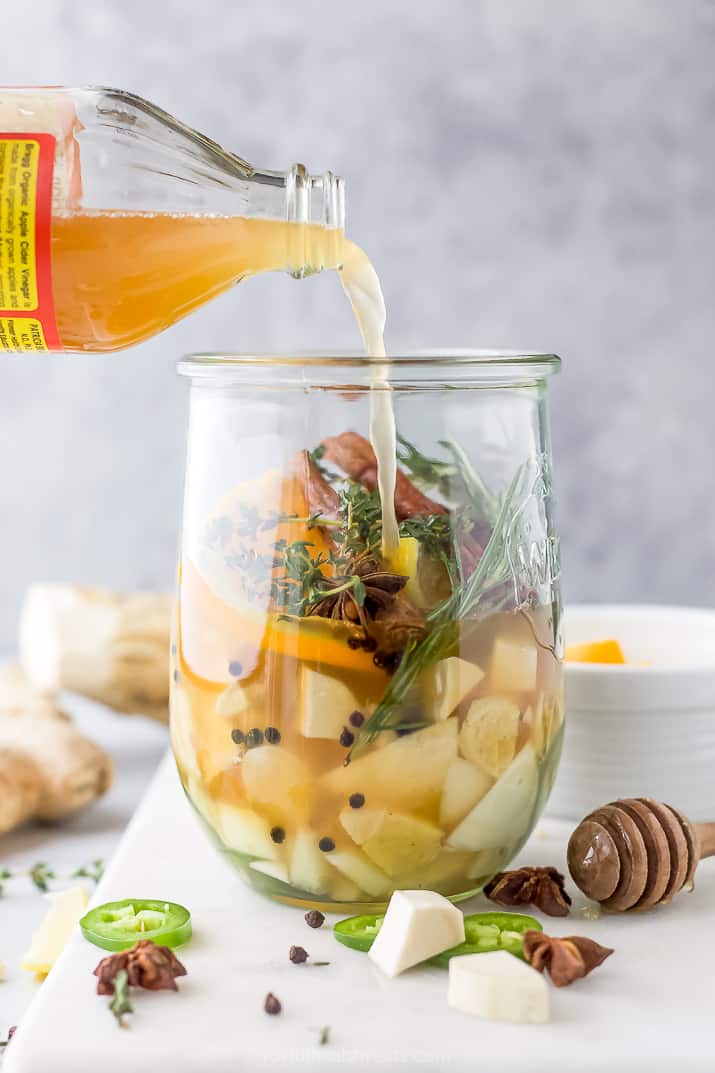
(362, 287)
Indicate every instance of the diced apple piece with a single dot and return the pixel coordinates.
(344, 890)
(181, 728)
(487, 862)
(278, 781)
(405, 774)
(324, 704)
(244, 831)
(354, 865)
(513, 666)
(448, 683)
(232, 702)
(448, 866)
(498, 987)
(502, 816)
(418, 924)
(361, 823)
(464, 786)
(308, 865)
(274, 869)
(392, 840)
(489, 734)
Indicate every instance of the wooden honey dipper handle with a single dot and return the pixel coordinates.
(706, 837)
(637, 853)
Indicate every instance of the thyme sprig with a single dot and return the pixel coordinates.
(120, 1004)
(41, 874)
(492, 571)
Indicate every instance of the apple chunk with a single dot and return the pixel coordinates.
(448, 683)
(308, 866)
(277, 781)
(464, 786)
(406, 774)
(394, 841)
(355, 866)
(502, 816)
(513, 666)
(244, 831)
(324, 704)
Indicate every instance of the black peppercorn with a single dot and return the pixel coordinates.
(354, 642)
(173, 650)
(314, 918)
(346, 737)
(298, 955)
(273, 735)
(237, 736)
(356, 719)
(370, 644)
(177, 676)
(254, 738)
(327, 845)
(278, 835)
(235, 669)
(356, 800)
(272, 1004)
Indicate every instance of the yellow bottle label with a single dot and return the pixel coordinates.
(27, 318)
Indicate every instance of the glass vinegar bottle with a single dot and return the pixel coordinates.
(116, 220)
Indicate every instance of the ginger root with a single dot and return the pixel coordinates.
(112, 647)
(48, 769)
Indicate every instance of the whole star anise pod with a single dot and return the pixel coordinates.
(146, 965)
(565, 959)
(338, 599)
(542, 887)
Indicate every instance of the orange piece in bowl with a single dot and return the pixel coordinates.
(608, 651)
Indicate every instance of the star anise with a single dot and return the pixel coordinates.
(146, 965)
(343, 598)
(566, 959)
(542, 887)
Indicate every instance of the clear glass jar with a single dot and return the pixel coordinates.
(347, 726)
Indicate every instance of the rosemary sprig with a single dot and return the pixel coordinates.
(427, 473)
(119, 1003)
(482, 502)
(492, 570)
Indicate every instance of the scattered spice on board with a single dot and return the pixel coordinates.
(542, 887)
(565, 958)
(314, 918)
(271, 1004)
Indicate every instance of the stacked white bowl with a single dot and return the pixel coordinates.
(645, 728)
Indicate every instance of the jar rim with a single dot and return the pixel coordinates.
(505, 364)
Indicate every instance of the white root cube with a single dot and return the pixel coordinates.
(418, 924)
(513, 666)
(449, 682)
(393, 840)
(465, 785)
(324, 705)
(242, 830)
(503, 815)
(358, 868)
(489, 734)
(498, 987)
(66, 909)
(308, 867)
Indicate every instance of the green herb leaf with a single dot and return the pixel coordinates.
(41, 874)
(93, 871)
(119, 1003)
(427, 473)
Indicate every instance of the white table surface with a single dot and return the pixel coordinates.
(136, 745)
(650, 1007)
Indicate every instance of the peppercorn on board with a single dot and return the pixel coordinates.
(650, 1002)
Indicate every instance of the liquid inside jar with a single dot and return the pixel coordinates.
(349, 722)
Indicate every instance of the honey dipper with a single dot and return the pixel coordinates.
(637, 853)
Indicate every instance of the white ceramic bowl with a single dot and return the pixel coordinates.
(643, 730)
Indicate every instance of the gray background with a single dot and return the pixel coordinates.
(550, 165)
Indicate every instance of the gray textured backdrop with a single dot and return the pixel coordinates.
(551, 165)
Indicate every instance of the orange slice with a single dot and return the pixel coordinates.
(608, 651)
